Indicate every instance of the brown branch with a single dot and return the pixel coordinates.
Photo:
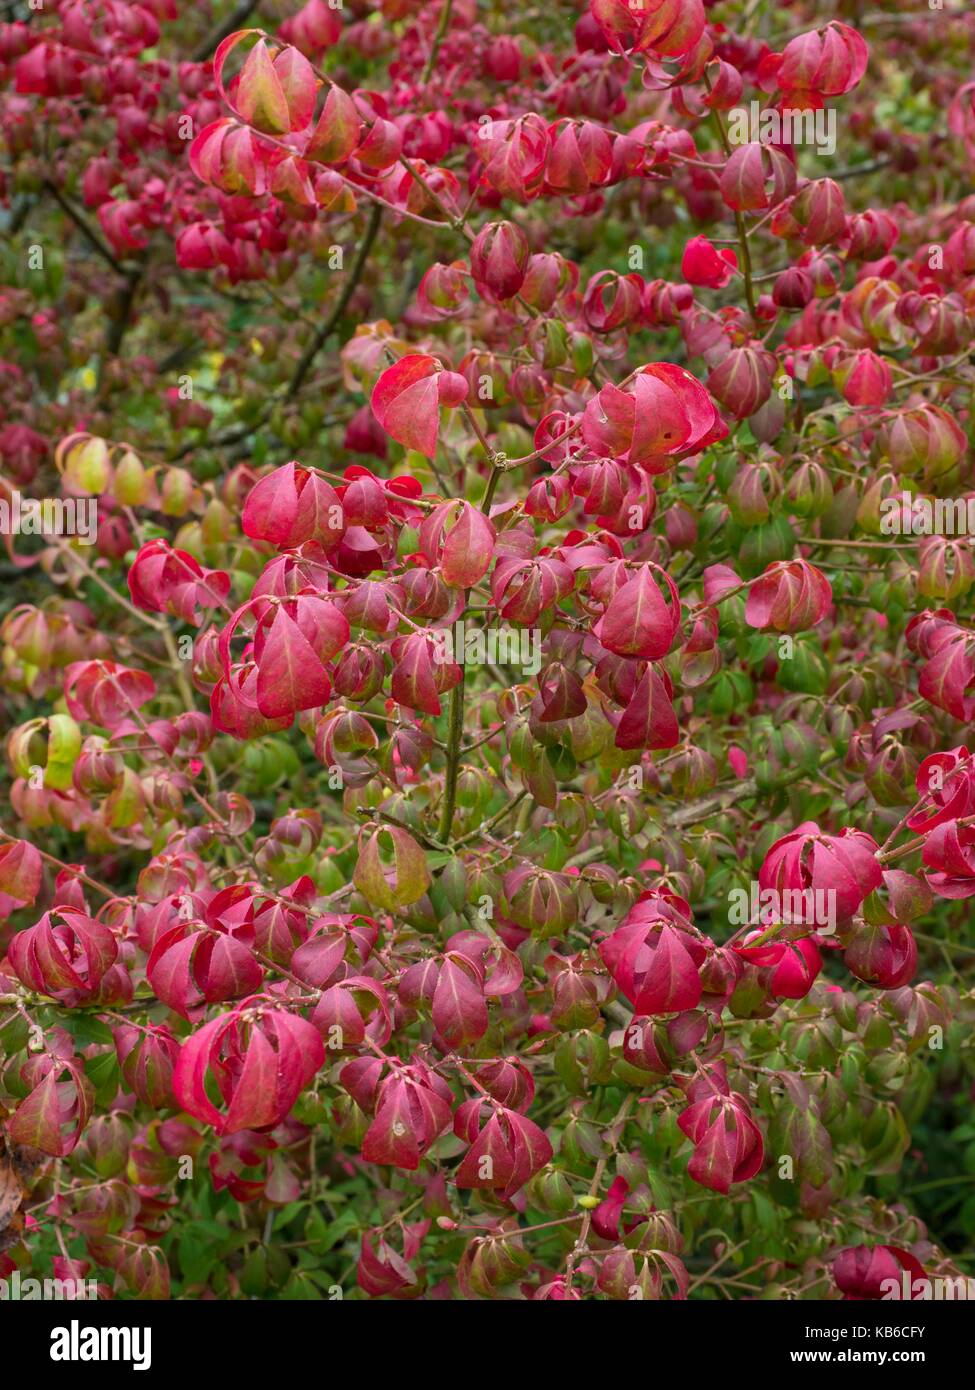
(223, 31)
(341, 304)
(237, 433)
(438, 39)
(85, 228)
(119, 325)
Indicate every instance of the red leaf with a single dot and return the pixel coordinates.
(20, 871)
(460, 1014)
(671, 982)
(468, 549)
(648, 720)
(509, 1150)
(290, 676)
(789, 597)
(637, 621)
(406, 401)
(259, 1067)
(409, 1118)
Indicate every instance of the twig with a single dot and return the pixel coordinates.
(223, 31)
(341, 304)
(454, 735)
(495, 820)
(75, 872)
(438, 39)
(746, 255)
(856, 170)
(120, 324)
(615, 1131)
(85, 228)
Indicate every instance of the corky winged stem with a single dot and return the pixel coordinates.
(746, 255)
(455, 728)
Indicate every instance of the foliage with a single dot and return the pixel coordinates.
(487, 809)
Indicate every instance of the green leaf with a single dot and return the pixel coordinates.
(103, 1073)
(86, 1029)
(196, 1256)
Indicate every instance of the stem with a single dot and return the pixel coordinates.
(438, 39)
(454, 735)
(615, 1130)
(120, 325)
(696, 811)
(859, 169)
(940, 1182)
(945, 945)
(223, 31)
(495, 820)
(341, 304)
(185, 689)
(76, 873)
(455, 731)
(84, 227)
(855, 545)
(482, 439)
(96, 578)
(370, 814)
(745, 250)
(732, 1250)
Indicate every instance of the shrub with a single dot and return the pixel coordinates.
(488, 811)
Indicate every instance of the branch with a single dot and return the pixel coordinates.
(454, 737)
(85, 228)
(237, 433)
(746, 255)
(438, 39)
(223, 31)
(341, 304)
(695, 811)
(721, 800)
(72, 869)
(857, 169)
(180, 356)
(614, 1133)
(119, 326)
(455, 732)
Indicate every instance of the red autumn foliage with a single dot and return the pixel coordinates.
(488, 802)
